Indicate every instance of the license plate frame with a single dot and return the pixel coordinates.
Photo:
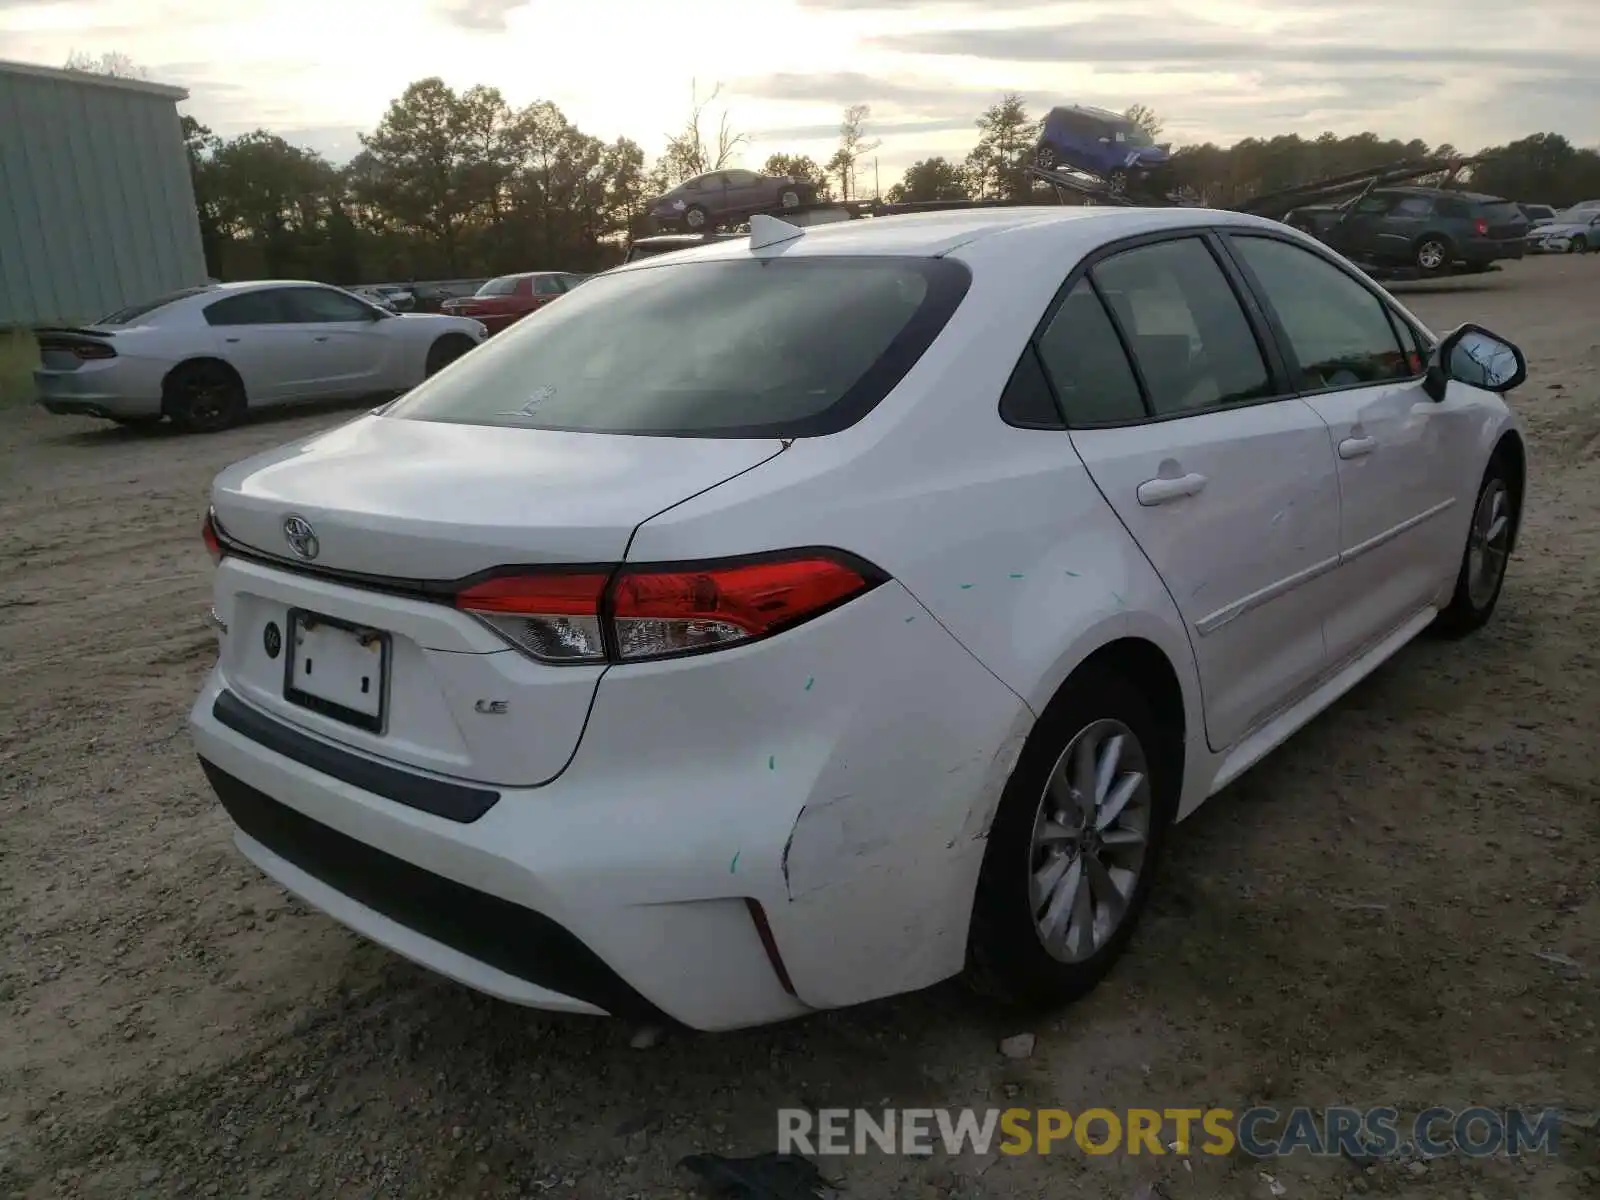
(299, 620)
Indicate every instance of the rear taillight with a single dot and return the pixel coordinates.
(1481, 226)
(90, 351)
(633, 614)
(208, 533)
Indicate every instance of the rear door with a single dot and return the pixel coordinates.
(1398, 230)
(274, 355)
(1397, 450)
(1226, 482)
(350, 348)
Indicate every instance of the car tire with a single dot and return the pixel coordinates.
(203, 397)
(1432, 253)
(789, 198)
(445, 351)
(1008, 960)
(1045, 159)
(1484, 559)
(1117, 181)
(696, 219)
(1578, 245)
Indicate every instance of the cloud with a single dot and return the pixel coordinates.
(487, 15)
(810, 133)
(843, 88)
(1102, 40)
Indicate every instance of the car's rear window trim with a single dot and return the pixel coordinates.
(948, 282)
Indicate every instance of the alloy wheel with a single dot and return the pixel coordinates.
(1430, 256)
(1488, 544)
(1090, 839)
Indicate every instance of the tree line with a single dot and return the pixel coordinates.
(459, 184)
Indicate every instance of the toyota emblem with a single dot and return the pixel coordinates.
(301, 537)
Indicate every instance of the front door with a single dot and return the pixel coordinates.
(1358, 366)
(1227, 485)
(349, 351)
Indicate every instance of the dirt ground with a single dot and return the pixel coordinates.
(1358, 921)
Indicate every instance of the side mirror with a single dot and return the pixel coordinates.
(1470, 354)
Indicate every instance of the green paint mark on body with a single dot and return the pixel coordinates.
(1016, 575)
(910, 619)
(772, 762)
(734, 865)
(965, 586)
(810, 679)
(1072, 575)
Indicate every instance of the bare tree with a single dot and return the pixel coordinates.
(689, 153)
(113, 62)
(1145, 118)
(853, 147)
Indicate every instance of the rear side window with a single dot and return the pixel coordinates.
(769, 347)
(1085, 361)
(1501, 212)
(506, 285)
(1339, 333)
(249, 308)
(322, 306)
(1189, 336)
(127, 316)
(1450, 206)
(1414, 206)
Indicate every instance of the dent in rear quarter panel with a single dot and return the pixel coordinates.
(842, 774)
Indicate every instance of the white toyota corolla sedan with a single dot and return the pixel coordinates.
(203, 356)
(804, 619)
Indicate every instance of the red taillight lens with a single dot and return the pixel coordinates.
(648, 613)
(672, 612)
(553, 616)
(208, 532)
(93, 350)
(1482, 227)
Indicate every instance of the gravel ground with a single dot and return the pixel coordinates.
(1358, 921)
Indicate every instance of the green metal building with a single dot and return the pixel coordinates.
(96, 203)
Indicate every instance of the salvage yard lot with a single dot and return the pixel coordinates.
(1400, 907)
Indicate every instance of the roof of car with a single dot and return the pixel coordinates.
(1417, 189)
(931, 234)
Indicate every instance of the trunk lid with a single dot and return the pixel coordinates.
(431, 500)
(409, 678)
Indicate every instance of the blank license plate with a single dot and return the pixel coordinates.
(337, 669)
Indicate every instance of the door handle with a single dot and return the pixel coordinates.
(1355, 447)
(1161, 491)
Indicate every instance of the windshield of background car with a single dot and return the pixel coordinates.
(127, 316)
(750, 348)
(1132, 135)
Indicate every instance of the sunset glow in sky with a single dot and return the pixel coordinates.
(1471, 72)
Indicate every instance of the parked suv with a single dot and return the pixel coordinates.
(1428, 228)
(1101, 143)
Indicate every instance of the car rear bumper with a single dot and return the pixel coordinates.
(92, 393)
(729, 846)
(1482, 253)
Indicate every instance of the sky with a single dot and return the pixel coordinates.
(318, 72)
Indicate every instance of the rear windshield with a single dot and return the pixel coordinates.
(127, 316)
(506, 285)
(750, 348)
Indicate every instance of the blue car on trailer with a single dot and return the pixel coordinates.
(1100, 142)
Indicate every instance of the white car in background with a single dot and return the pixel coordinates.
(203, 356)
(797, 620)
(1575, 231)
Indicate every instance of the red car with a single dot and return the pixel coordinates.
(509, 298)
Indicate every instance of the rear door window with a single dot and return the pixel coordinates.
(547, 285)
(249, 308)
(768, 347)
(1190, 338)
(133, 312)
(322, 306)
